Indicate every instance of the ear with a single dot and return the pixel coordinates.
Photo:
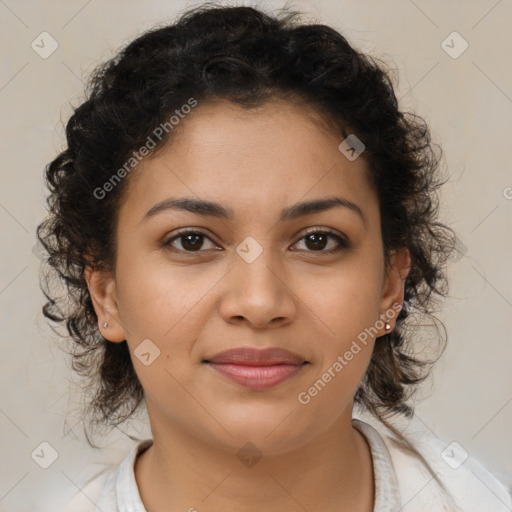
(393, 287)
(103, 294)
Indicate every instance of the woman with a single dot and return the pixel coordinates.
(246, 224)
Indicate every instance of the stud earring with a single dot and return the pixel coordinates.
(388, 327)
(104, 324)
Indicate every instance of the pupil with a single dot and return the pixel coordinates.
(316, 237)
(192, 246)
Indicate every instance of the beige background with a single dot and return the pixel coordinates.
(468, 102)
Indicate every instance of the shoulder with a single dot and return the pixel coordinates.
(470, 485)
(87, 498)
(112, 488)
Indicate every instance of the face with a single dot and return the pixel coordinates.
(190, 285)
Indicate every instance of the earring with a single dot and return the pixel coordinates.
(104, 324)
(388, 327)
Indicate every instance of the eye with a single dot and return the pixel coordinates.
(317, 239)
(190, 241)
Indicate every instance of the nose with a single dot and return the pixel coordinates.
(258, 293)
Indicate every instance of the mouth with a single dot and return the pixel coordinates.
(257, 369)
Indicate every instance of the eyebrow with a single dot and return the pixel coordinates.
(211, 209)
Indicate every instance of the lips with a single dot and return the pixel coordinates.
(257, 357)
(257, 369)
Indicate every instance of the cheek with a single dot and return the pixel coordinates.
(342, 303)
(160, 311)
(156, 299)
(333, 385)
(344, 307)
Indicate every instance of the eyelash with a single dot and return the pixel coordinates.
(343, 244)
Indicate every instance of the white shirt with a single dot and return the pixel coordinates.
(402, 483)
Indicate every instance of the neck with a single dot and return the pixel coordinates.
(331, 473)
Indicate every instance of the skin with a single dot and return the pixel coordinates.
(295, 295)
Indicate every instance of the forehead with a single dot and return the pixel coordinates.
(266, 157)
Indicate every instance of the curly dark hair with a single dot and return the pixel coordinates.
(248, 57)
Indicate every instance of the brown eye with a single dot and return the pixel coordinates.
(190, 241)
(317, 241)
